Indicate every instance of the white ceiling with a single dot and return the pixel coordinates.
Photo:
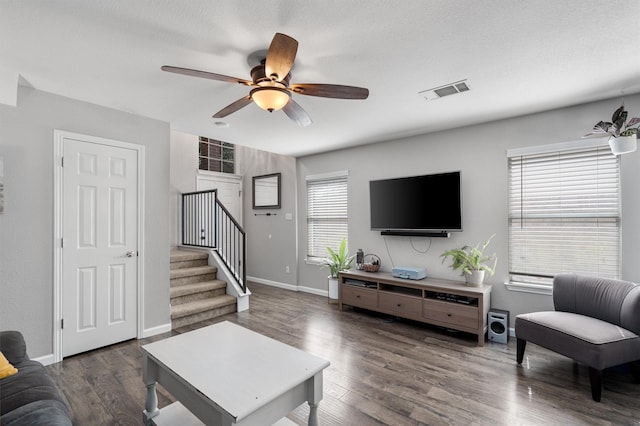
(519, 57)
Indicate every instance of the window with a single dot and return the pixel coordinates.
(216, 156)
(564, 214)
(327, 219)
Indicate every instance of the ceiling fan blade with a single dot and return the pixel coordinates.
(331, 91)
(280, 56)
(205, 74)
(240, 103)
(295, 112)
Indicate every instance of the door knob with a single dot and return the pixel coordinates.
(131, 253)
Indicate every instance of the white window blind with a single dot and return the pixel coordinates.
(564, 214)
(327, 219)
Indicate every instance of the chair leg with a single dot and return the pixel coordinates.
(595, 377)
(521, 344)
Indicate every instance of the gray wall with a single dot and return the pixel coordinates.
(184, 171)
(26, 227)
(479, 151)
(271, 240)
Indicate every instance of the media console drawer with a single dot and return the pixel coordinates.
(397, 303)
(451, 313)
(446, 303)
(361, 297)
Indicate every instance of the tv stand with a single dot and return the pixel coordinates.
(445, 303)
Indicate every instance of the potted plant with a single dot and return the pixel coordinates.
(622, 136)
(472, 262)
(337, 261)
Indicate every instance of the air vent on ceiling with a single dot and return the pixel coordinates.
(446, 90)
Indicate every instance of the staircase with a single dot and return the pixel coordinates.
(195, 292)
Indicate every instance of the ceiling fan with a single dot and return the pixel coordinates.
(270, 81)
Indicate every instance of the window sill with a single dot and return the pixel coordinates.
(314, 261)
(219, 174)
(529, 288)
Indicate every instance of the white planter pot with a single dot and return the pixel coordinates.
(333, 288)
(623, 144)
(475, 278)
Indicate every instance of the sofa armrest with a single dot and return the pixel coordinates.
(13, 346)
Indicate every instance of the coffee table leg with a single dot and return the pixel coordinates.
(151, 403)
(313, 414)
(314, 395)
(149, 375)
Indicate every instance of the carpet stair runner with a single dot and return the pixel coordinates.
(196, 293)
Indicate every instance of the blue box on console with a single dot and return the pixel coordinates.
(409, 272)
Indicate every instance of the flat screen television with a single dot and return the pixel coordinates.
(417, 205)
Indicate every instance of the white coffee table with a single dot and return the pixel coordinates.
(226, 375)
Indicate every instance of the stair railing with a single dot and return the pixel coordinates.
(206, 222)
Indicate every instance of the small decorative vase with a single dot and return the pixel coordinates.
(475, 278)
(623, 144)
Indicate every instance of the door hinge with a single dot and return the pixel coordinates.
(62, 324)
(61, 161)
(61, 242)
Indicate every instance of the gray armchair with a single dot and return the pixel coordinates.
(596, 322)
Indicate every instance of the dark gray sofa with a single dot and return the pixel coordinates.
(596, 322)
(29, 397)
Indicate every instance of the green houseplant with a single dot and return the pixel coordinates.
(337, 261)
(472, 261)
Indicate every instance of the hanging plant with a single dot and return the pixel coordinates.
(617, 127)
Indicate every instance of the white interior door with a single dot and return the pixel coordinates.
(99, 255)
(229, 191)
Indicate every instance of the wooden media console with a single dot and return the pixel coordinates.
(445, 303)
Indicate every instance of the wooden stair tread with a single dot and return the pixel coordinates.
(182, 255)
(197, 306)
(196, 288)
(195, 292)
(194, 270)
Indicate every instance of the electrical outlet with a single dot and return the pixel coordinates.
(286, 269)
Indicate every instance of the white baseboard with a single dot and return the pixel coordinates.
(273, 283)
(46, 359)
(51, 359)
(148, 332)
(315, 291)
(290, 287)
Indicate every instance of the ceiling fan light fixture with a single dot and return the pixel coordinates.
(271, 91)
(270, 98)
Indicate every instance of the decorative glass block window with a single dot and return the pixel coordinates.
(216, 156)
(564, 213)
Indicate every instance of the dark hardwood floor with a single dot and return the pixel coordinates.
(383, 372)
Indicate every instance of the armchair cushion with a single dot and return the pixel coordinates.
(588, 340)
